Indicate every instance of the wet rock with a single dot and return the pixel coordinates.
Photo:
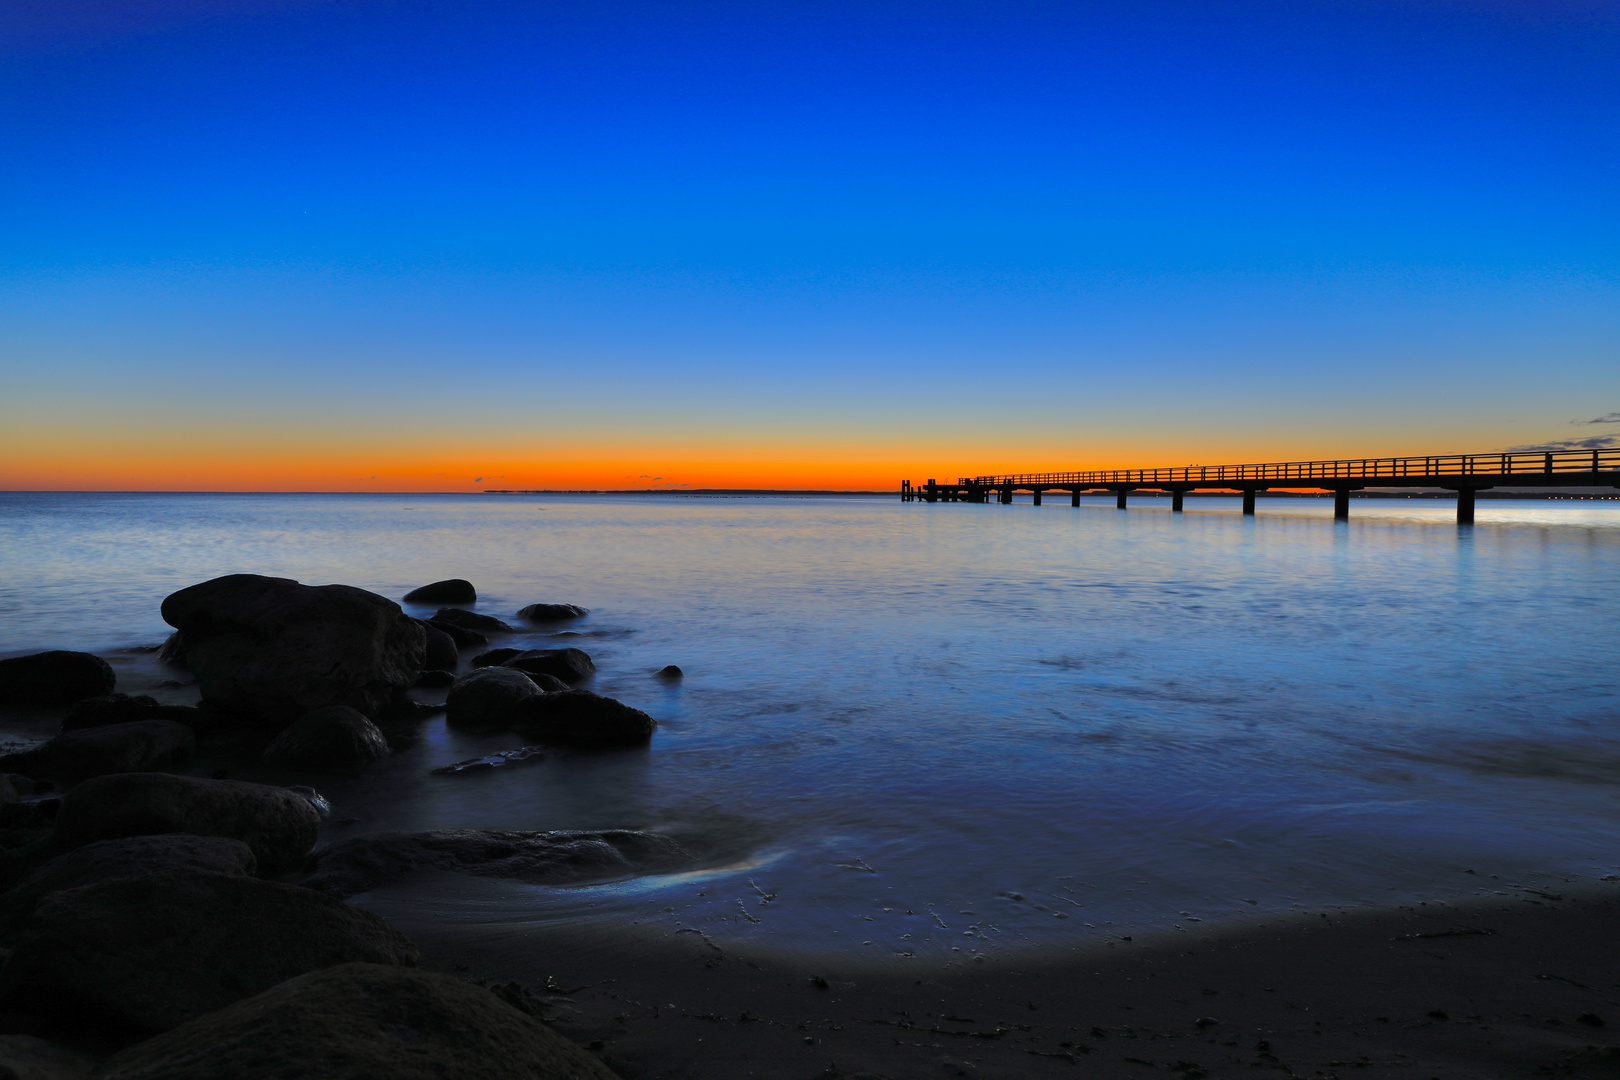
(495, 657)
(406, 709)
(129, 857)
(361, 863)
(471, 620)
(279, 825)
(442, 651)
(336, 737)
(492, 761)
(313, 797)
(582, 720)
(272, 649)
(173, 652)
(483, 698)
(670, 671)
(344, 1023)
(569, 665)
(15, 785)
(449, 591)
(115, 748)
(147, 953)
(464, 639)
(125, 709)
(23, 1057)
(551, 612)
(58, 677)
(435, 679)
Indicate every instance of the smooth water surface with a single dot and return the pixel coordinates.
(958, 728)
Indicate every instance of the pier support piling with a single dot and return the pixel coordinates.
(1465, 506)
(1175, 500)
(1074, 497)
(1341, 504)
(1119, 500)
(1248, 502)
(1037, 496)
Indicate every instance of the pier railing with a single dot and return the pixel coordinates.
(1538, 463)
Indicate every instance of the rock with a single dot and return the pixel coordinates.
(361, 863)
(583, 720)
(348, 1023)
(13, 786)
(670, 671)
(313, 797)
(483, 698)
(279, 825)
(54, 678)
(464, 639)
(449, 591)
(492, 761)
(336, 737)
(435, 680)
(272, 649)
(406, 709)
(146, 953)
(129, 857)
(471, 620)
(551, 612)
(569, 665)
(124, 709)
(23, 1057)
(442, 652)
(173, 652)
(115, 748)
(495, 657)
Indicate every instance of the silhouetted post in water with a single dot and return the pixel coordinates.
(1248, 502)
(1341, 504)
(1038, 496)
(1465, 506)
(1006, 495)
(1119, 500)
(1074, 496)
(1175, 500)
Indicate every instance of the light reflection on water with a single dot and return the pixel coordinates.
(1117, 717)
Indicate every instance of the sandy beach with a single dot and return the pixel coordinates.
(1520, 987)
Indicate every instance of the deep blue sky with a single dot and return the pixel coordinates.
(975, 235)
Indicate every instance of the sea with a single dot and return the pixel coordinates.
(913, 733)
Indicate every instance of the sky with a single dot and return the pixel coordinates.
(451, 245)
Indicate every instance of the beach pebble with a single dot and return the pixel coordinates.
(114, 748)
(343, 1023)
(279, 825)
(270, 649)
(583, 720)
(551, 612)
(441, 650)
(569, 665)
(448, 591)
(129, 857)
(146, 953)
(484, 698)
(360, 863)
(336, 737)
(471, 620)
(58, 677)
(23, 1057)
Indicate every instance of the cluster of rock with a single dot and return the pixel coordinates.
(140, 910)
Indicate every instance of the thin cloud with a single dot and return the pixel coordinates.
(1596, 442)
(1606, 418)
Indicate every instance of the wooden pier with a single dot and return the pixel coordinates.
(1465, 474)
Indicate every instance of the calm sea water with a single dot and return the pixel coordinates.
(957, 730)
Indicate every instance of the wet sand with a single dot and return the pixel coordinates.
(1524, 986)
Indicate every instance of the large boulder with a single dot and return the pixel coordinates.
(551, 612)
(278, 824)
(58, 677)
(271, 649)
(23, 1057)
(441, 651)
(569, 665)
(464, 639)
(336, 737)
(173, 651)
(483, 699)
(127, 709)
(472, 620)
(361, 863)
(362, 1022)
(147, 953)
(115, 748)
(582, 720)
(449, 591)
(496, 657)
(129, 857)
